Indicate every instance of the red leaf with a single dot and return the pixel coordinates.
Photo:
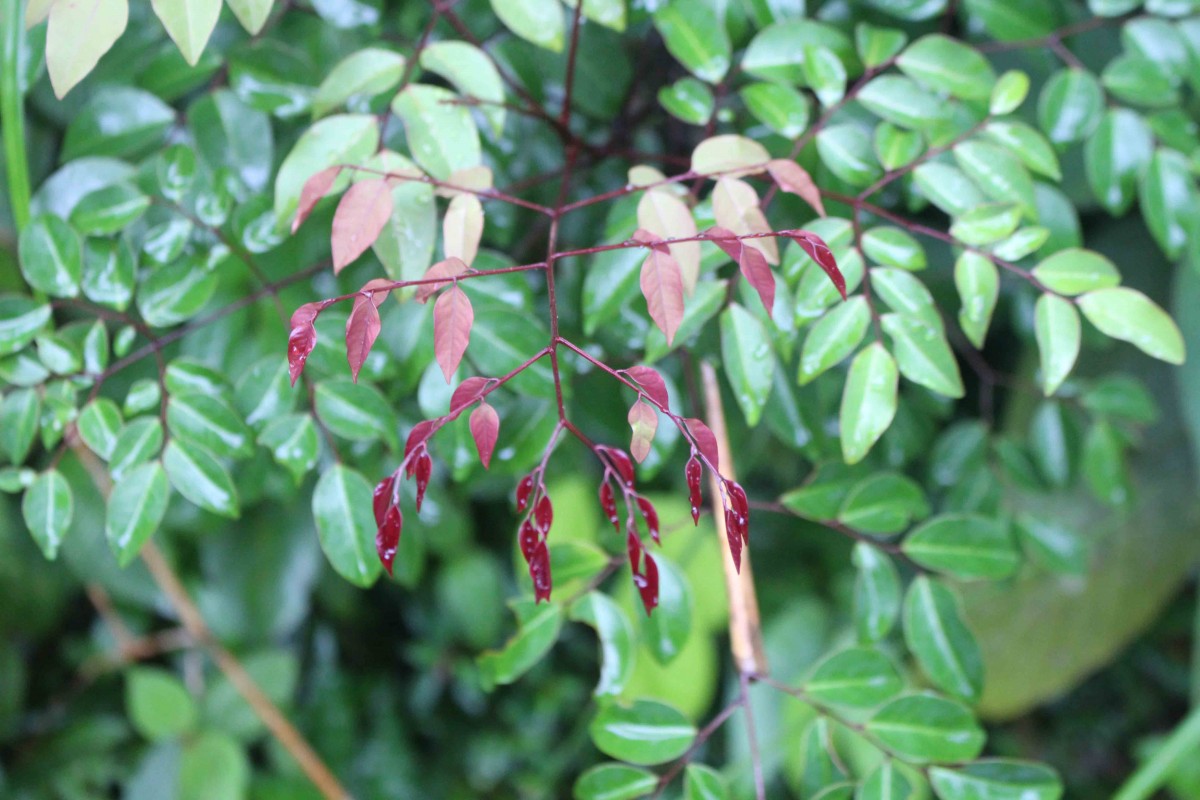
(633, 546)
(523, 490)
(450, 268)
(740, 507)
(452, 321)
(647, 585)
(539, 571)
(694, 472)
(652, 239)
(378, 289)
(662, 286)
(418, 436)
(360, 216)
(528, 539)
(466, 393)
(620, 462)
(705, 440)
(300, 343)
(543, 514)
(316, 187)
(791, 177)
(361, 330)
(651, 517)
(383, 498)
(644, 421)
(734, 537)
(819, 251)
(387, 538)
(485, 428)
(750, 261)
(609, 503)
(423, 470)
(651, 383)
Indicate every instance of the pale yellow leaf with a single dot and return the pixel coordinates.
(667, 217)
(189, 23)
(462, 227)
(79, 33)
(731, 155)
(475, 179)
(735, 207)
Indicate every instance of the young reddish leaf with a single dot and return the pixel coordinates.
(791, 177)
(485, 428)
(653, 239)
(740, 507)
(736, 208)
(608, 502)
(662, 286)
(523, 490)
(302, 338)
(359, 218)
(620, 462)
(452, 321)
(651, 383)
(734, 537)
(647, 585)
(819, 251)
(633, 547)
(362, 328)
(314, 189)
(422, 470)
(466, 393)
(651, 517)
(543, 515)
(750, 261)
(450, 268)
(528, 540)
(379, 289)
(539, 571)
(705, 441)
(417, 437)
(644, 421)
(387, 537)
(383, 498)
(694, 472)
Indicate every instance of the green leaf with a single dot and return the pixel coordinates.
(51, 256)
(573, 563)
(213, 767)
(341, 507)
(695, 35)
(868, 401)
(925, 728)
(99, 424)
(1029, 145)
(1139, 81)
(824, 73)
(896, 148)
(820, 770)
(140, 440)
(252, 14)
(894, 247)
(687, 99)
(1115, 155)
(885, 782)
(158, 704)
(978, 282)
(1103, 460)
(176, 292)
(876, 593)
(996, 779)
(275, 671)
(1025, 242)
(293, 442)
(1001, 176)
(60, 355)
(1122, 397)
(199, 476)
(539, 624)
(367, 72)
(19, 415)
(859, 677)
(143, 395)
(536, 21)
(264, 392)
(441, 135)
(645, 732)
(883, 503)
(776, 53)
(405, 245)
(189, 23)
(47, 508)
(846, 151)
(1075, 271)
(614, 781)
(616, 640)
(877, 45)
(748, 359)
(781, 108)
(835, 336)
(902, 102)
(947, 187)
(340, 139)
(923, 354)
(1009, 93)
(1070, 106)
(986, 224)
(472, 72)
(1169, 200)
(209, 421)
(20, 320)
(940, 641)
(135, 510)
(1012, 20)
(229, 133)
(665, 632)
(354, 410)
(703, 783)
(1059, 334)
(966, 546)
(109, 270)
(109, 210)
(948, 65)
(1130, 316)
(1053, 545)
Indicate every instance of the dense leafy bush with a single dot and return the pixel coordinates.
(334, 328)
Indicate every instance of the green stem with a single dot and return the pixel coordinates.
(1184, 741)
(12, 110)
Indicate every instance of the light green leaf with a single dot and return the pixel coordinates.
(539, 624)
(614, 781)
(695, 35)
(1139, 81)
(189, 23)
(20, 320)
(966, 546)
(703, 783)
(47, 508)
(923, 354)
(1070, 106)
(199, 476)
(868, 401)
(748, 359)
(441, 135)
(1001, 176)
(883, 503)
(645, 732)
(1009, 93)
(940, 641)
(877, 45)
(210, 422)
(19, 414)
(1130, 316)
(1029, 145)
(1115, 155)
(894, 247)
(986, 224)
(536, 21)
(947, 187)
(1075, 271)
(859, 677)
(948, 65)
(341, 507)
(687, 99)
(615, 632)
(140, 440)
(885, 782)
(472, 73)
(354, 410)
(846, 150)
(135, 510)
(905, 294)
(213, 766)
(264, 391)
(781, 108)
(978, 284)
(367, 72)
(176, 292)
(895, 147)
(293, 442)
(1059, 334)
(251, 13)
(1169, 200)
(876, 593)
(1025, 242)
(824, 73)
(833, 337)
(99, 424)
(996, 779)
(109, 210)
(1012, 20)
(924, 727)
(51, 256)
(158, 704)
(776, 53)
(340, 139)
(609, 13)
(78, 35)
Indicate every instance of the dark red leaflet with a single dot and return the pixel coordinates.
(422, 471)
(609, 504)
(539, 571)
(651, 383)
(387, 538)
(693, 472)
(647, 585)
(467, 392)
(524, 488)
(650, 515)
(705, 441)
(383, 498)
(543, 514)
(819, 251)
